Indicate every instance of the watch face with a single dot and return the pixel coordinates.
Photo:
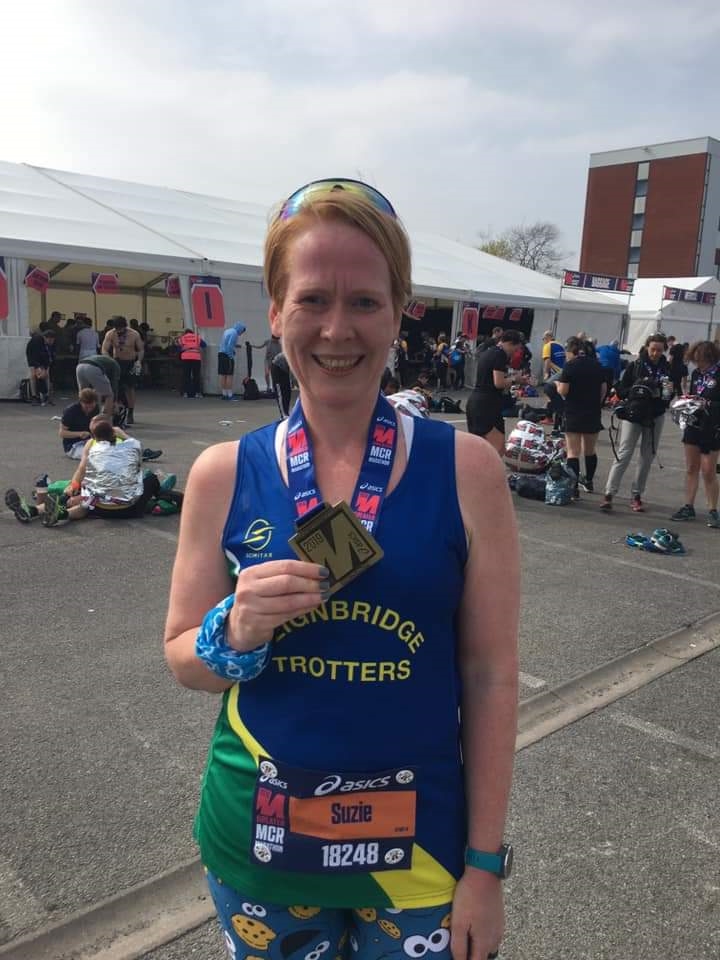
(506, 852)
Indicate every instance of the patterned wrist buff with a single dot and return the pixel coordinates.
(211, 648)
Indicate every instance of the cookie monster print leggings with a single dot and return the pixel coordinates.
(268, 931)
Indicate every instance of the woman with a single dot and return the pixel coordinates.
(485, 403)
(702, 442)
(583, 385)
(334, 709)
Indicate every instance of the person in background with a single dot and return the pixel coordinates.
(74, 427)
(39, 354)
(226, 359)
(267, 632)
(485, 403)
(582, 384)
(101, 374)
(553, 356)
(109, 482)
(191, 347)
(402, 358)
(441, 361)
(650, 370)
(609, 357)
(458, 356)
(272, 348)
(127, 348)
(281, 382)
(86, 340)
(702, 442)
(678, 366)
(553, 360)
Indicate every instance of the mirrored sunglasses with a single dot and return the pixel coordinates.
(296, 200)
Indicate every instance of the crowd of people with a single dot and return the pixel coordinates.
(580, 378)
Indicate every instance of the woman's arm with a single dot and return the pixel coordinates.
(200, 578)
(488, 626)
(563, 388)
(265, 594)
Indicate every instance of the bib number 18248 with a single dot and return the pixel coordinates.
(349, 854)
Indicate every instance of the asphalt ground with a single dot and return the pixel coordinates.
(613, 817)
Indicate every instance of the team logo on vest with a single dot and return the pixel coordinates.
(258, 535)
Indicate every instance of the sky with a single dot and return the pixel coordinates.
(470, 115)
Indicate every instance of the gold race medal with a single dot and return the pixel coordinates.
(335, 538)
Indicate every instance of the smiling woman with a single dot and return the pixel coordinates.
(409, 528)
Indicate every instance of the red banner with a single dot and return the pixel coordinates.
(207, 301)
(515, 315)
(469, 320)
(4, 298)
(105, 282)
(494, 313)
(37, 279)
(172, 287)
(415, 308)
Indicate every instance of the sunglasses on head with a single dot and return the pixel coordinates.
(295, 201)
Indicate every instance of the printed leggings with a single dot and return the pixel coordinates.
(268, 931)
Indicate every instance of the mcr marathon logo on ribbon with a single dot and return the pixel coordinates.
(299, 453)
(382, 445)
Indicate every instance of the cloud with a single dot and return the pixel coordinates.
(467, 113)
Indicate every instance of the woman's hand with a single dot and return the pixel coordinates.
(478, 916)
(268, 594)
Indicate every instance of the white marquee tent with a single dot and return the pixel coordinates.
(687, 322)
(54, 217)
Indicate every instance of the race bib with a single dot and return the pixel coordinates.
(315, 822)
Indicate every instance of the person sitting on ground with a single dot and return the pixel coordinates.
(39, 355)
(74, 427)
(109, 482)
(702, 441)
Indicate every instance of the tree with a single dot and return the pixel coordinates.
(533, 246)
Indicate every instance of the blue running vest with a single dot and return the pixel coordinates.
(368, 681)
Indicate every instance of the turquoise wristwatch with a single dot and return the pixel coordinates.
(499, 863)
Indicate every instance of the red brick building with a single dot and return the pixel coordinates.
(654, 211)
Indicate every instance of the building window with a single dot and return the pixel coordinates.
(638, 221)
(632, 270)
(636, 238)
(639, 205)
(643, 171)
(641, 188)
(634, 255)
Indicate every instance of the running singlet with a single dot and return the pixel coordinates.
(358, 705)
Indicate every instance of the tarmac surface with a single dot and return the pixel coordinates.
(613, 817)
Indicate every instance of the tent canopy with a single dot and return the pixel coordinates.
(55, 216)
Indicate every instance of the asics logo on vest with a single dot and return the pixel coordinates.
(336, 784)
(258, 535)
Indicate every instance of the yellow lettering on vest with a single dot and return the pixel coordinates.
(386, 670)
(403, 670)
(320, 613)
(339, 610)
(350, 665)
(297, 665)
(416, 642)
(316, 666)
(334, 664)
(368, 671)
(390, 620)
(280, 663)
(406, 630)
(299, 621)
(360, 611)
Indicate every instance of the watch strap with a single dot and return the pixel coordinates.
(482, 860)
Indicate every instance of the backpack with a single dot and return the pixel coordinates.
(533, 488)
(25, 391)
(250, 389)
(639, 406)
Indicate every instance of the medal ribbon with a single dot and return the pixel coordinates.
(374, 477)
(703, 381)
